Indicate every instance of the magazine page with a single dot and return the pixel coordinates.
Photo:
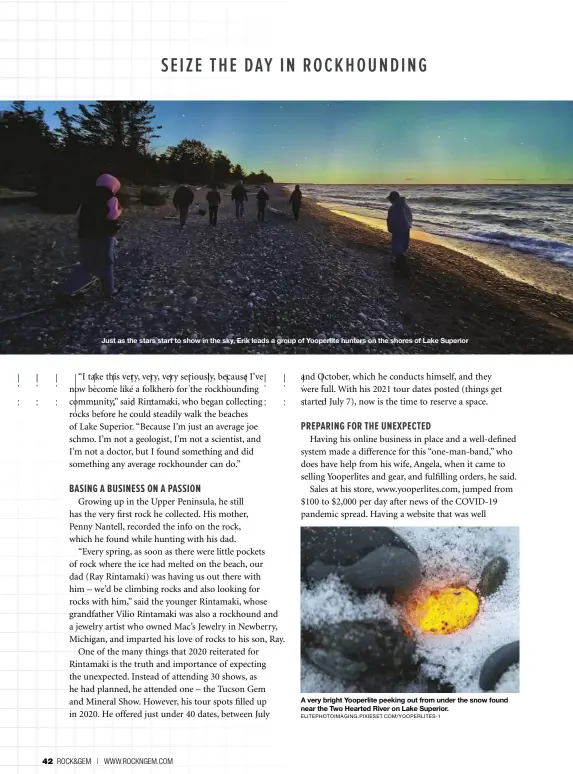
(286, 317)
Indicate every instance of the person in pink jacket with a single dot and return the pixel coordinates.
(97, 226)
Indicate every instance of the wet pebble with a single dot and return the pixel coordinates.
(373, 654)
(492, 577)
(496, 665)
(367, 558)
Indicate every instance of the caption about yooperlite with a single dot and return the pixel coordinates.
(428, 707)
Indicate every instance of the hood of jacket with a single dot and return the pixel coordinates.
(110, 182)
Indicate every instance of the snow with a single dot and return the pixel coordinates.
(448, 555)
(509, 683)
(327, 603)
(331, 601)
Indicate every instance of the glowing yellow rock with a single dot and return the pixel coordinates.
(444, 611)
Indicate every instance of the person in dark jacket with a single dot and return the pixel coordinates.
(239, 196)
(262, 199)
(97, 226)
(213, 200)
(295, 201)
(182, 200)
(399, 222)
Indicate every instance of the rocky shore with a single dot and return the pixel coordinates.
(323, 285)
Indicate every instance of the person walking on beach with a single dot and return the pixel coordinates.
(97, 225)
(239, 196)
(399, 222)
(262, 199)
(295, 201)
(182, 200)
(213, 200)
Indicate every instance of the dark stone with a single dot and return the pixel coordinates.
(370, 654)
(343, 546)
(386, 569)
(496, 665)
(492, 577)
(436, 685)
(367, 558)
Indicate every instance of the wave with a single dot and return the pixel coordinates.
(536, 220)
(437, 200)
(486, 218)
(476, 202)
(550, 249)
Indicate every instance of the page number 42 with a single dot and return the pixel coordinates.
(48, 760)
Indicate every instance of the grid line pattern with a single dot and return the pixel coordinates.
(97, 49)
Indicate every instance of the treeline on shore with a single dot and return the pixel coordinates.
(115, 137)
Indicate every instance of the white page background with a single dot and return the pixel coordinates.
(68, 49)
(86, 50)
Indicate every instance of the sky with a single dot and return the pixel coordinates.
(377, 142)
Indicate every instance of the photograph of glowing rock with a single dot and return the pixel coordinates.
(410, 610)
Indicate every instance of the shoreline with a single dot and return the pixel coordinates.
(466, 285)
(523, 267)
(323, 285)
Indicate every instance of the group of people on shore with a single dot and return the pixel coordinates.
(184, 197)
(100, 211)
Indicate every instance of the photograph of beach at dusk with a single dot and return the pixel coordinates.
(286, 227)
